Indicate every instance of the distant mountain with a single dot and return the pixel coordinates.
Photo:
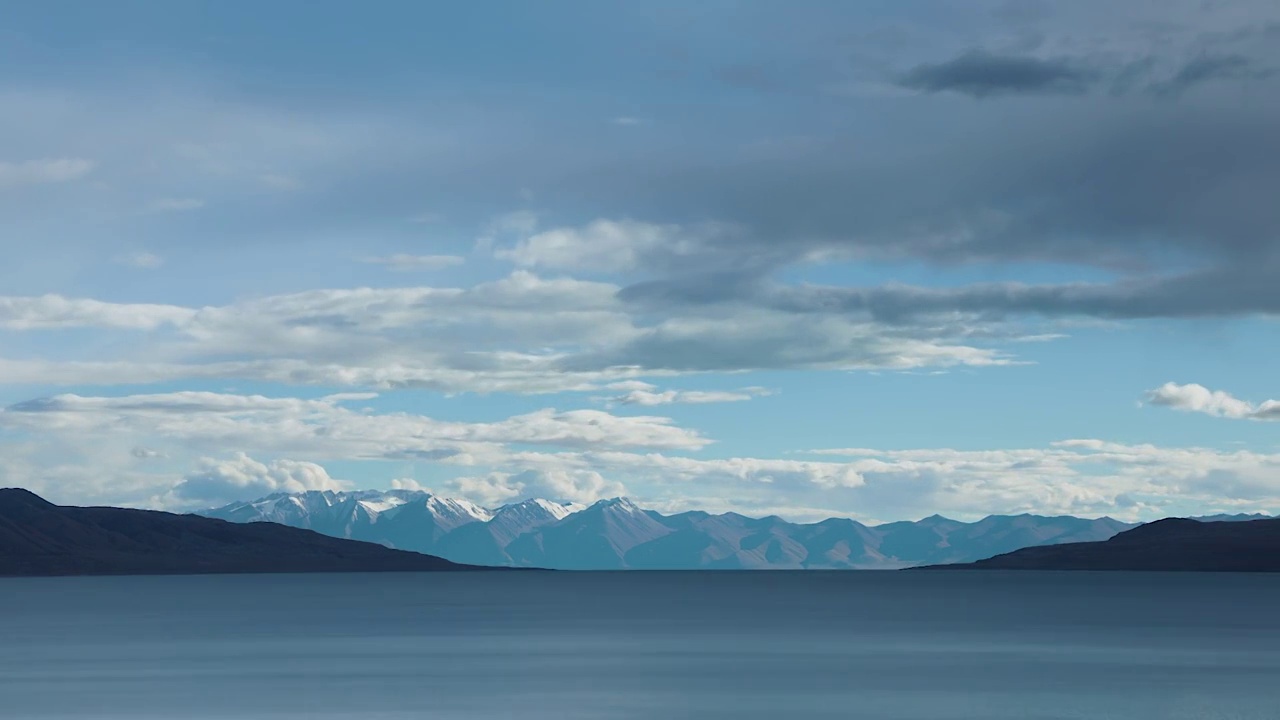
(40, 538)
(1171, 544)
(617, 534)
(487, 542)
(1238, 517)
(597, 538)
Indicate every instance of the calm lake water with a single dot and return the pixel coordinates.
(874, 645)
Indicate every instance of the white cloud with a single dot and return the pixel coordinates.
(627, 120)
(647, 396)
(559, 485)
(1086, 476)
(630, 385)
(604, 245)
(45, 171)
(323, 429)
(119, 450)
(55, 311)
(217, 482)
(1200, 399)
(404, 262)
(408, 484)
(522, 333)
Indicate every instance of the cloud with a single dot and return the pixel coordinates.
(404, 262)
(55, 311)
(609, 245)
(79, 448)
(1083, 477)
(980, 74)
(646, 396)
(626, 120)
(1209, 67)
(559, 485)
(217, 482)
(1200, 399)
(521, 333)
(42, 172)
(323, 429)
(1202, 293)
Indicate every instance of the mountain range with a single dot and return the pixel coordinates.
(40, 538)
(617, 534)
(1173, 544)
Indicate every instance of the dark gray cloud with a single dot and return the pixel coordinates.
(980, 74)
(1129, 185)
(1208, 68)
(1236, 291)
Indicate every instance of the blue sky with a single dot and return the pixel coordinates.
(869, 259)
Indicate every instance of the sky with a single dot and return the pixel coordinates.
(878, 260)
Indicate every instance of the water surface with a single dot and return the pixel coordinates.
(871, 645)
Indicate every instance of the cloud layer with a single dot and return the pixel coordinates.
(576, 291)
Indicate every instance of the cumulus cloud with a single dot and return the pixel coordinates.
(404, 262)
(217, 482)
(408, 484)
(44, 171)
(560, 485)
(1200, 399)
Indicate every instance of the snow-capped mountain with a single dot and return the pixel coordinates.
(618, 534)
(598, 537)
(403, 519)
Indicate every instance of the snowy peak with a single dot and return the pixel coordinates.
(618, 505)
(449, 508)
(536, 509)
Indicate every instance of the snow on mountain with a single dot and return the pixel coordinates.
(486, 543)
(598, 537)
(617, 534)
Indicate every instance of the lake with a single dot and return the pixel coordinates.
(868, 645)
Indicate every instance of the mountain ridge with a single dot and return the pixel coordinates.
(39, 538)
(616, 533)
(1171, 545)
